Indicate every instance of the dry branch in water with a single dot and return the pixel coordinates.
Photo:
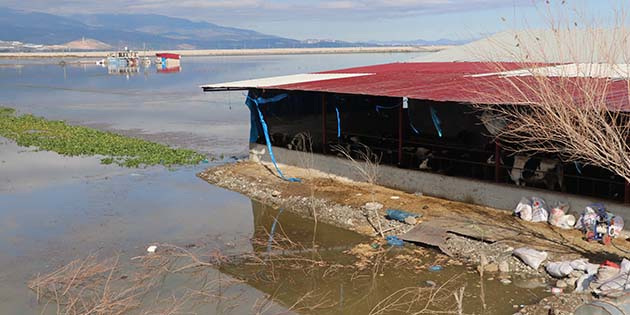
(576, 111)
(367, 165)
(423, 300)
(100, 286)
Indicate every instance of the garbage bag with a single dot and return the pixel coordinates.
(616, 283)
(524, 209)
(530, 256)
(559, 269)
(605, 274)
(617, 225)
(558, 216)
(582, 284)
(588, 219)
(540, 211)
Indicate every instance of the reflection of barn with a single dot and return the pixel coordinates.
(419, 117)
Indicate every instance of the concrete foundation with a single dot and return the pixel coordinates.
(500, 196)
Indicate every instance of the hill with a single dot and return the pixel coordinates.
(140, 30)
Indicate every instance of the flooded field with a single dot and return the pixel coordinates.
(55, 209)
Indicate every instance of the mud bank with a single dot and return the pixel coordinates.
(340, 202)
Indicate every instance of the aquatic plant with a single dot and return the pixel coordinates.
(53, 135)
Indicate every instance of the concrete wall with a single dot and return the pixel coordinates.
(500, 196)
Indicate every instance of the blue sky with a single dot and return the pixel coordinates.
(352, 20)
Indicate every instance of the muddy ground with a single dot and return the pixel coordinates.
(340, 202)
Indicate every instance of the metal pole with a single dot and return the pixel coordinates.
(497, 161)
(324, 142)
(400, 133)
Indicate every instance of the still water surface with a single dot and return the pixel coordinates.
(54, 209)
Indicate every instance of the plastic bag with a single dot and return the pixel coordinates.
(530, 257)
(558, 216)
(540, 211)
(524, 209)
(588, 219)
(616, 225)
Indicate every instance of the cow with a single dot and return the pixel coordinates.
(531, 171)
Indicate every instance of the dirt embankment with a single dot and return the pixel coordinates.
(488, 237)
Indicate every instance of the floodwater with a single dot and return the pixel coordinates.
(54, 209)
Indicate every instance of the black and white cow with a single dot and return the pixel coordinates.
(532, 171)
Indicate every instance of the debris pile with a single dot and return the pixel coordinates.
(595, 222)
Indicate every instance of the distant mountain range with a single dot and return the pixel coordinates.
(142, 30)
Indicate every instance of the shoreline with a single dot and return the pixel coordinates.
(341, 202)
(232, 52)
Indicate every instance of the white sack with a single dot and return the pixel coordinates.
(530, 257)
(540, 211)
(524, 209)
(559, 269)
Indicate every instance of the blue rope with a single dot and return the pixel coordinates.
(436, 121)
(338, 123)
(273, 231)
(261, 100)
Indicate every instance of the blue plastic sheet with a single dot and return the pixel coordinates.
(256, 104)
(394, 240)
(399, 215)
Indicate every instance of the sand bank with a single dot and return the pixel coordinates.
(233, 52)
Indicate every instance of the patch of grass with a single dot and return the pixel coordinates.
(28, 130)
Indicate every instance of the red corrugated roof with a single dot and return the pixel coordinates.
(452, 82)
(446, 81)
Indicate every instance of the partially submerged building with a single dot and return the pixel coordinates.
(420, 119)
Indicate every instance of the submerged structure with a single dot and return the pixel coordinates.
(420, 119)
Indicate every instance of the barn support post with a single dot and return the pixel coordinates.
(324, 142)
(497, 161)
(400, 134)
(626, 193)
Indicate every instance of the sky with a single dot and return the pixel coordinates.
(350, 20)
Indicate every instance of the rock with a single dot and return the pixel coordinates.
(561, 284)
(506, 281)
(275, 193)
(504, 266)
(491, 267)
(349, 222)
(430, 283)
(411, 220)
(394, 197)
(373, 206)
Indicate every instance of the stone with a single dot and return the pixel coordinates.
(504, 266)
(491, 267)
(275, 193)
(561, 284)
(373, 206)
(411, 220)
(430, 283)
(506, 281)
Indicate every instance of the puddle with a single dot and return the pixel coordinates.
(337, 286)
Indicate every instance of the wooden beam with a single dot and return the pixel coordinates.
(324, 142)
